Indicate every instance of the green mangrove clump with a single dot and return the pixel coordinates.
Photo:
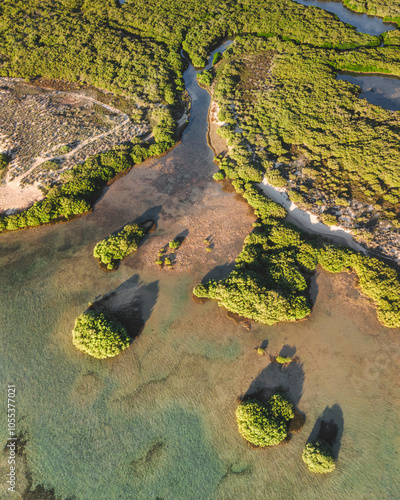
(205, 78)
(99, 334)
(174, 244)
(318, 456)
(282, 360)
(264, 424)
(118, 246)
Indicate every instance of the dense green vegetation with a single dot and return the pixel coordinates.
(291, 109)
(67, 40)
(204, 78)
(370, 60)
(388, 9)
(134, 49)
(269, 281)
(299, 112)
(119, 245)
(288, 20)
(265, 424)
(198, 26)
(99, 334)
(318, 456)
(4, 161)
(81, 185)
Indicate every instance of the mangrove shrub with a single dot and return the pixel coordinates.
(318, 456)
(99, 334)
(265, 424)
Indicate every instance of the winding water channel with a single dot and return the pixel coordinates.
(158, 420)
(362, 22)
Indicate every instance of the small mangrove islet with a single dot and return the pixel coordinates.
(265, 424)
(116, 247)
(99, 334)
(318, 456)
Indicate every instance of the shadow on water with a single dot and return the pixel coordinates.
(132, 304)
(274, 378)
(148, 219)
(329, 427)
(151, 213)
(182, 236)
(219, 272)
(287, 351)
(313, 288)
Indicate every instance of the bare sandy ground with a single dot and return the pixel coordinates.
(36, 123)
(217, 143)
(14, 198)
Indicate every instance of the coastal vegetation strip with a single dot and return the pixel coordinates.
(80, 187)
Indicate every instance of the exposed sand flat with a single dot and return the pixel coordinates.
(307, 220)
(14, 198)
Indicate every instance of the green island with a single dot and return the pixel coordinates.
(99, 334)
(90, 89)
(318, 456)
(265, 424)
(116, 247)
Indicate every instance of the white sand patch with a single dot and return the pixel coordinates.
(307, 220)
(14, 198)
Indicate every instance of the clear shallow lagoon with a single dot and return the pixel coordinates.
(158, 420)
